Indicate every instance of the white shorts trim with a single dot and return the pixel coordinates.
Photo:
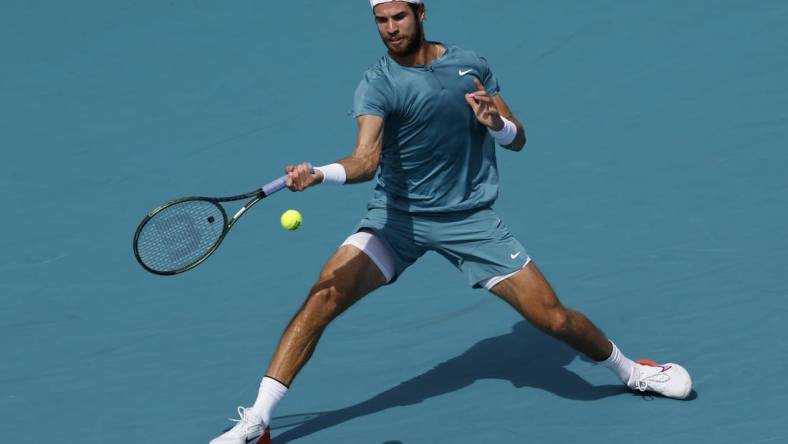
(376, 249)
(495, 280)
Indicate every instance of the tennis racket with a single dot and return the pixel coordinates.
(183, 233)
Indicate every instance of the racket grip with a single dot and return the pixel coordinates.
(272, 187)
(277, 185)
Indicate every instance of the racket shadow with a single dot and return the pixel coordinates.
(525, 357)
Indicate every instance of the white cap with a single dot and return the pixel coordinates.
(374, 3)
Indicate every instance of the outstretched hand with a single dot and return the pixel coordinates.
(301, 177)
(483, 106)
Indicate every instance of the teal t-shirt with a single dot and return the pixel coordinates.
(436, 156)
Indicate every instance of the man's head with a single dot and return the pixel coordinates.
(400, 24)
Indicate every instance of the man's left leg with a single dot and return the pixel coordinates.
(528, 292)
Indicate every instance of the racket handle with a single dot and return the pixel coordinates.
(272, 187)
(277, 185)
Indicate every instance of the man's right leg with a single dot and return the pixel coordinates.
(347, 277)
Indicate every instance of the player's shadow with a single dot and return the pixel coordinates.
(525, 357)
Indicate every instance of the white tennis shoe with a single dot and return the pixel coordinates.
(249, 429)
(671, 380)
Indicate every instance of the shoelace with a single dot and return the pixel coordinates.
(250, 427)
(642, 380)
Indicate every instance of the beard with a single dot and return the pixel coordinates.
(411, 44)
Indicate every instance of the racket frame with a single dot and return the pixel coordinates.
(256, 196)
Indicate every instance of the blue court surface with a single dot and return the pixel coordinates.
(652, 194)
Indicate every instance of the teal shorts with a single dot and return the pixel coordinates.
(474, 241)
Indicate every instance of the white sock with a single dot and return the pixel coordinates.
(619, 364)
(271, 392)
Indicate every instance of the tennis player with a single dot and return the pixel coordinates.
(429, 117)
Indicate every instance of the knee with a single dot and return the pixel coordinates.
(323, 303)
(558, 322)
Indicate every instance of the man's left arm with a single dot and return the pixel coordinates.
(503, 110)
(491, 111)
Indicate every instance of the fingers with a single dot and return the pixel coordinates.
(483, 105)
(289, 181)
(472, 102)
(482, 99)
(299, 177)
(481, 95)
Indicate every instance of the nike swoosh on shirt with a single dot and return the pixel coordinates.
(462, 73)
(515, 256)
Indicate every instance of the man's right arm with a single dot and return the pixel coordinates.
(359, 166)
(363, 163)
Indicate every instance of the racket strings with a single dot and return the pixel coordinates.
(180, 235)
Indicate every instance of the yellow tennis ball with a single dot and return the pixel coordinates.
(291, 220)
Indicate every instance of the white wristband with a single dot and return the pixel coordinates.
(333, 173)
(507, 134)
